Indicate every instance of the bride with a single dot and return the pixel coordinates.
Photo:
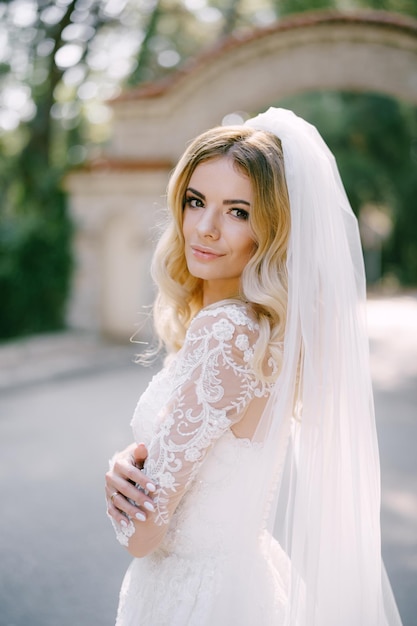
(251, 495)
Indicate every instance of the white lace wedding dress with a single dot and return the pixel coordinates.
(199, 576)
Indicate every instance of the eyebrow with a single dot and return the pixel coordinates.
(232, 201)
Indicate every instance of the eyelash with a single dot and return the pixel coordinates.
(244, 215)
(189, 202)
(237, 212)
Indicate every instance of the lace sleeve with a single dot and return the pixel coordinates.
(215, 386)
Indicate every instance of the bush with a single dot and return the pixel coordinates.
(35, 268)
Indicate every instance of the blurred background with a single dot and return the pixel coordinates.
(67, 382)
(60, 64)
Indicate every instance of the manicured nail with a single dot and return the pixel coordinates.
(123, 523)
(150, 487)
(141, 517)
(149, 506)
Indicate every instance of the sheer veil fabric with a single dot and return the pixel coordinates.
(318, 430)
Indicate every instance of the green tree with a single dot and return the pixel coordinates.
(374, 139)
(47, 67)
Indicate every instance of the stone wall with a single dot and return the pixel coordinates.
(114, 212)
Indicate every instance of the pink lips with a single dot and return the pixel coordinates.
(204, 254)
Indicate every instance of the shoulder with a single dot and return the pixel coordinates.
(229, 325)
(226, 314)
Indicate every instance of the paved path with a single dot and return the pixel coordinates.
(393, 333)
(65, 404)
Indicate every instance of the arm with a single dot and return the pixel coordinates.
(216, 387)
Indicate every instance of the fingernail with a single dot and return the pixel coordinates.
(141, 517)
(150, 487)
(149, 506)
(123, 523)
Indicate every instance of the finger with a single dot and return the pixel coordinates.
(120, 518)
(134, 475)
(115, 513)
(118, 508)
(140, 454)
(117, 487)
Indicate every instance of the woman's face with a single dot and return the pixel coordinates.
(218, 238)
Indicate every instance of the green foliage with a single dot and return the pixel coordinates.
(35, 265)
(374, 139)
(298, 6)
(407, 7)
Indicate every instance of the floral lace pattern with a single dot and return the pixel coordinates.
(172, 603)
(123, 533)
(206, 473)
(211, 384)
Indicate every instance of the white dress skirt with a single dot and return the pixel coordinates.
(197, 577)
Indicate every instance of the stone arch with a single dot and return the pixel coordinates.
(359, 52)
(366, 51)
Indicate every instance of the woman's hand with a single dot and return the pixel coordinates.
(121, 481)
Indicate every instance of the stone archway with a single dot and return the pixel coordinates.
(359, 52)
(367, 51)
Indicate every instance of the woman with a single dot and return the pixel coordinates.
(257, 502)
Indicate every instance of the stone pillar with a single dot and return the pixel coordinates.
(115, 212)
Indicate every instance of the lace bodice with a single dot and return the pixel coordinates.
(191, 403)
(187, 417)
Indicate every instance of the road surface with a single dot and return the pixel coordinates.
(62, 418)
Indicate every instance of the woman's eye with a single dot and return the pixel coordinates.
(194, 203)
(240, 213)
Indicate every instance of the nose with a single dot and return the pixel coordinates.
(208, 224)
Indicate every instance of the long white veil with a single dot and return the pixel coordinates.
(319, 429)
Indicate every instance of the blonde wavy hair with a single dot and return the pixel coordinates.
(257, 154)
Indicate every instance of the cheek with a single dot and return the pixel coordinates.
(249, 249)
(254, 247)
